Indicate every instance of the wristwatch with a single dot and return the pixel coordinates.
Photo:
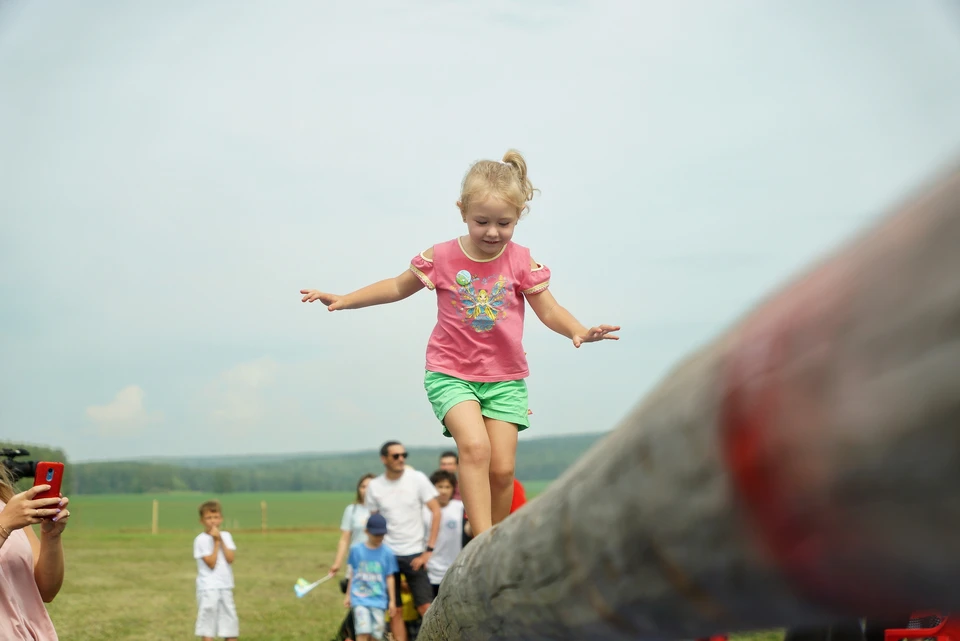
(429, 549)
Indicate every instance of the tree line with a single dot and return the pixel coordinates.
(542, 459)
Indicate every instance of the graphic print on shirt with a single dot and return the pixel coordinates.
(368, 580)
(481, 302)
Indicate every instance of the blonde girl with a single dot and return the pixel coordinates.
(475, 363)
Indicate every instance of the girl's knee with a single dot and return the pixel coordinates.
(474, 451)
(501, 475)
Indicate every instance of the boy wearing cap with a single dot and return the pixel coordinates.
(371, 589)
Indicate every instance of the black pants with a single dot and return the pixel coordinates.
(418, 581)
(346, 631)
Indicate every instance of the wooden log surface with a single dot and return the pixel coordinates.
(803, 466)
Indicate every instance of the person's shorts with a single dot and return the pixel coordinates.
(368, 620)
(503, 401)
(216, 614)
(418, 581)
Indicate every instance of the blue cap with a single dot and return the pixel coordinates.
(376, 524)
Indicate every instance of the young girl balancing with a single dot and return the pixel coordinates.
(475, 365)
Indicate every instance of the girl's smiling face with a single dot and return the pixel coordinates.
(490, 225)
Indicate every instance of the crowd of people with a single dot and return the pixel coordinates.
(399, 537)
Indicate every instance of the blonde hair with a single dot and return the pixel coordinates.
(7, 488)
(506, 180)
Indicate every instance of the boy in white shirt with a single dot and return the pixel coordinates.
(214, 551)
(450, 534)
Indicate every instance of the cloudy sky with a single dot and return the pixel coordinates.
(172, 173)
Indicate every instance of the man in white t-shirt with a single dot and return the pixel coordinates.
(400, 495)
(214, 551)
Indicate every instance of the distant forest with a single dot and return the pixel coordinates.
(541, 459)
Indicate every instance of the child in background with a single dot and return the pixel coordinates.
(370, 591)
(450, 534)
(214, 551)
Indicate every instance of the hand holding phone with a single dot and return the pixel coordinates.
(48, 473)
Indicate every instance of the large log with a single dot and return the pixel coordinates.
(802, 467)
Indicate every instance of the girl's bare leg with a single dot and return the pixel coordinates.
(503, 460)
(467, 427)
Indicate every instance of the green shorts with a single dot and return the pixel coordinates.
(503, 400)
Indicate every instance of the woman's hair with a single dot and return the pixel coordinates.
(7, 488)
(359, 483)
(506, 179)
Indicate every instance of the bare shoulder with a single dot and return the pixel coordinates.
(427, 253)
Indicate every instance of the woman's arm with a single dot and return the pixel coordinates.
(47, 563)
(342, 545)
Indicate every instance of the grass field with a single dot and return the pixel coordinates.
(124, 583)
(178, 510)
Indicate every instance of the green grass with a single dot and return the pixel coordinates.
(124, 583)
(139, 586)
(178, 511)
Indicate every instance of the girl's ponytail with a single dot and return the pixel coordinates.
(515, 160)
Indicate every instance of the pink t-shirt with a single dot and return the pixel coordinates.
(23, 616)
(479, 331)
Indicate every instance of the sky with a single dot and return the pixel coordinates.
(172, 174)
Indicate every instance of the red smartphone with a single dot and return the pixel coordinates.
(51, 474)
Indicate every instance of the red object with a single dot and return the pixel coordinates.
(520, 497)
(51, 474)
(932, 626)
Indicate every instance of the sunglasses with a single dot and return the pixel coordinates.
(398, 456)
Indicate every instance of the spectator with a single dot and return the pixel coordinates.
(400, 494)
(353, 524)
(371, 589)
(450, 462)
(450, 535)
(31, 569)
(214, 551)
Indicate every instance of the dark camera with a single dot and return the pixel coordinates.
(18, 469)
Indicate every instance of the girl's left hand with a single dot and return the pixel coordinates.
(599, 333)
(53, 527)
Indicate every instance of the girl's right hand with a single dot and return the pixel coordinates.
(334, 568)
(332, 301)
(23, 510)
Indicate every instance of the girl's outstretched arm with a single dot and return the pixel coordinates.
(557, 318)
(385, 291)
